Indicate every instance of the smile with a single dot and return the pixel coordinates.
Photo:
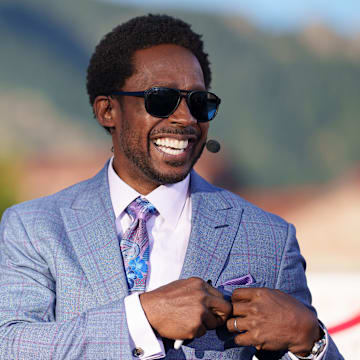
(171, 146)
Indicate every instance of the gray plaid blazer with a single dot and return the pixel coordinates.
(62, 281)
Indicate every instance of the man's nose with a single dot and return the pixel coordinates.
(182, 115)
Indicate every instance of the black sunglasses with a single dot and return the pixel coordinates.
(162, 102)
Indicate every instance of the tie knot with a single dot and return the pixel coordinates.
(141, 209)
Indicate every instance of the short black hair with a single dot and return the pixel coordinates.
(111, 64)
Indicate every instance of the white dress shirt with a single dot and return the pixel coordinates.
(169, 234)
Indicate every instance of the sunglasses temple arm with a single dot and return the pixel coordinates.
(129, 93)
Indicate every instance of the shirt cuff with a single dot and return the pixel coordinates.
(322, 354)
(143, 341)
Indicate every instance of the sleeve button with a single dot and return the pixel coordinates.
(137, 352)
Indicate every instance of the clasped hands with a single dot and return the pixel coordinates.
(265, 318)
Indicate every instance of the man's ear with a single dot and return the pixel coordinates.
(103, 110)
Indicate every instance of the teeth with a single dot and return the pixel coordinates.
(174, 144)
(171, 151)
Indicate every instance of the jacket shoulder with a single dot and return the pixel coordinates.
(50, 205)
(250, 212)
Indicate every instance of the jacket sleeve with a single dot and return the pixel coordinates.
(28, 326)
(292, 280)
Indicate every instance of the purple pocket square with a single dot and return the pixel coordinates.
(243, 280)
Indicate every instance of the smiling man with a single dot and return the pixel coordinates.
(147, 252)
(150, 150)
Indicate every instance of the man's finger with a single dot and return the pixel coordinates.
(212, 321)
(210, 289)
(242, 309)
(236, 325)
(221, 308)
(245, 339)
(244, 294)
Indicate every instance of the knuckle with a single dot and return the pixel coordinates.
(196, 281)
(237, 340)
(199, 295)
(254, 324)
(254, 309)
(256, 336)
(235, 308)
(235, 293)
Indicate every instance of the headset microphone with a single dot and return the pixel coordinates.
(213, 146)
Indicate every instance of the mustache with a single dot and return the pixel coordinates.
(177, 131)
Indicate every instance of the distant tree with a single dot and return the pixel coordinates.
(8, 187)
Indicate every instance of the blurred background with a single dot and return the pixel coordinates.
(288, 74)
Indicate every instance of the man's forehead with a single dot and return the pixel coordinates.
(167, 62)
(164, 54)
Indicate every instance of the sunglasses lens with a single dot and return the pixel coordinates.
(161, 102)
(203, 105)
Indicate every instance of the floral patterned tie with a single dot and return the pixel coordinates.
(134, 244)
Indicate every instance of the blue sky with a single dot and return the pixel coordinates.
(342, 15)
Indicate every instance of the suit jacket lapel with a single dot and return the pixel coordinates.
(90, 227)
(215, 223)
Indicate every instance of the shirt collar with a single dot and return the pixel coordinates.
(169, 199)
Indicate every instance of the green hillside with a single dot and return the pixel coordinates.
(288, 115)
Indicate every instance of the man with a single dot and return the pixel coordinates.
(75, 265)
